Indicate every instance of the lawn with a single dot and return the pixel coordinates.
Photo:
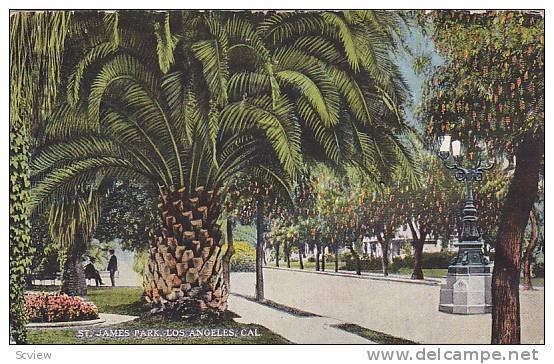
(296, 264)
(375, 336)
(428, 273)
(127, 301)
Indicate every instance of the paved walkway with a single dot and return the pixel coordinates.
(400, 309)
(114, 319)
(297, 329)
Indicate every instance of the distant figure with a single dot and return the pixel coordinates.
(112, 266)
(92, 273)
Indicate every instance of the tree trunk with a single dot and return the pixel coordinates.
(418, 253)
(317, 249)
(74, 282)
(531, 245)
(419, 242)
(185, 262)
(385, 254)
(287, 253)
(277, 246)
(323, 259)
(259, 248)
(226, 261)
(506, 328)
(357, 259)
(336, 259)
(300, 256)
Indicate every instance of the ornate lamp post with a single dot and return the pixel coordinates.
(468, 283)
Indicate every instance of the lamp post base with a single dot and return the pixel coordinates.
(467, 294)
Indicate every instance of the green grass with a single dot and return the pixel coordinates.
(127, 301)
(427, 273)
(375, 336)
(120, 300)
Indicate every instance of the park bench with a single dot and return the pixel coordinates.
(39, 279)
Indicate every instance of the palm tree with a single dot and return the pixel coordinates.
(72, 221)
(212, 95)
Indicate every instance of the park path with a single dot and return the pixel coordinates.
(297, 329)
(401, 309)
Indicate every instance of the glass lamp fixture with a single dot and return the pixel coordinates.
(456, 147)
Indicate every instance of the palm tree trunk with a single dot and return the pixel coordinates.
(259, 248)
(531, 245)
(74, 282)
(506, 328)
(228, 254)
(185, 262)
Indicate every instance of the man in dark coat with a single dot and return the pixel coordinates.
(112, 266)
(92, 273)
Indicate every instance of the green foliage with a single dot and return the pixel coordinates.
(128, 99)
(128, 212)
(20, 239)
(244, 259)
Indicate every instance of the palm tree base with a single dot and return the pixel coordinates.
(184, 269)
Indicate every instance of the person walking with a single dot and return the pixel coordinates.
(112, 266)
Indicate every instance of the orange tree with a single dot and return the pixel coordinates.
(491, 88)
(380, 215)
(295, 221)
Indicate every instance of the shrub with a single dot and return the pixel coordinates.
(53, 307)
(244, 259)
(428, 261)
(368, 264)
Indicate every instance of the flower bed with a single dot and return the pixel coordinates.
(53, 307)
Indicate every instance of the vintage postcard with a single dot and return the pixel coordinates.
(362, 176)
